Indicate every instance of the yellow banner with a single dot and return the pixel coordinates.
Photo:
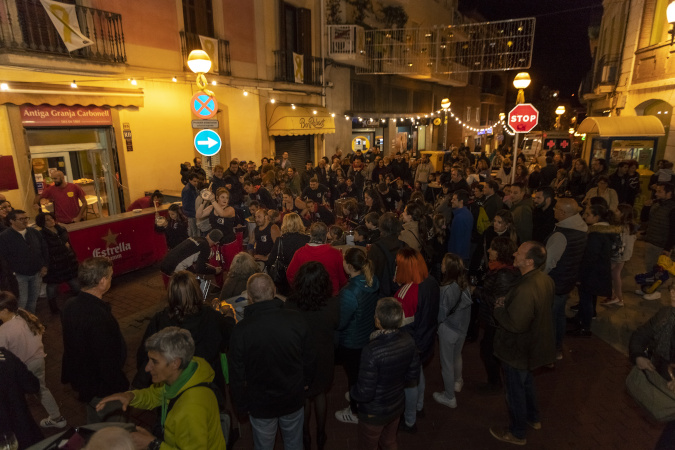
(299, 68)
(210, 46)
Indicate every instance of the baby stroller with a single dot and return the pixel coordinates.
(649, 282)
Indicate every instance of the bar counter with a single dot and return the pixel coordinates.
(128, 239)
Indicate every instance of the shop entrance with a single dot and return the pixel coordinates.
(85, 157)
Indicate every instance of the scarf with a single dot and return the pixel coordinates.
(496, 265)
(663, 336)
(171, 391)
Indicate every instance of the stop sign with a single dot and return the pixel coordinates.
(523, 118)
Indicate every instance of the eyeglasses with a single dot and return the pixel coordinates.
(23, 219)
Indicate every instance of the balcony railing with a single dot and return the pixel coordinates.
(191, 41)
(284, 70)
(26, 27)
(607, 70)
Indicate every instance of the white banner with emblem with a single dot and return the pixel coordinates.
(64, 18)
(210, 46)
(299, 68)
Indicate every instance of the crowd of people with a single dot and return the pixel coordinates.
(365, 261)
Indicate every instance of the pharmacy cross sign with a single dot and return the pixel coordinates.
(203, 105)
(523, 118)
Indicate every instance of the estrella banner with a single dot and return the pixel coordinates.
(210, 46)
(299, 68)
(64, 18)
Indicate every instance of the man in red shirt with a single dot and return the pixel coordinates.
(65, 197)
(318, 250)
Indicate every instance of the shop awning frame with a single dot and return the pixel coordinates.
(622, 126)
(21, 93)
(284, 120)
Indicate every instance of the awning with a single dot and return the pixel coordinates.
(284, 120)
(623, 126)
(21, 93)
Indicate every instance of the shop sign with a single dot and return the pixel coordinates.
(60, 115)
(126, 132)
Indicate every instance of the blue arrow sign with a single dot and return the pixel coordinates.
(208, 143)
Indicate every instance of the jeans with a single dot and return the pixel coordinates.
(450, 347)
(53, 288)
(520, 399)
(652, 253)
(559, 318)
(265, 431)
(587, 302)
(350, 358)
(414, 400)
(37, 368)
(29, 290)
(374, 437)
(193, 229)
(487, 350)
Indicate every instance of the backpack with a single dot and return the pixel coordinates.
(225, 421)
(387, 285)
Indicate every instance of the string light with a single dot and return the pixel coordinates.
(73, 84)
(246, 95)
(214, 82)
(272, 100)
(174, 79)
(4, 87)
(133, 81)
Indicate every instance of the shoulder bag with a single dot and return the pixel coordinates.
(650, 390)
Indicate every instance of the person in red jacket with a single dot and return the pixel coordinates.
(319, 250)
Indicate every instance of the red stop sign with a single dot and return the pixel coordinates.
(523, 118)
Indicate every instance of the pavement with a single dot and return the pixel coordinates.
(583, 401)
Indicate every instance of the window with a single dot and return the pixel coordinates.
(653, 23)
(468, 114)
(478, 114)
(198, 17)
(295, 28)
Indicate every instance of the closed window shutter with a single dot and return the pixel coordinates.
(299, 149)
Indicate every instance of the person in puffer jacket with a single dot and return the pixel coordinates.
(388, 362)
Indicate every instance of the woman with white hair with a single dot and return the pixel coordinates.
(190, 416)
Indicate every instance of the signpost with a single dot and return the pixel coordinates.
(522, 118)
(207, 142)
(207, 123)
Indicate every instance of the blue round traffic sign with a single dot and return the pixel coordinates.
(208, 143)
(203, 106)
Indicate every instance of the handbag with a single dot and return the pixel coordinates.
(650, 390)
(277, 271)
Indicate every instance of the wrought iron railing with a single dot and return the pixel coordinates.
(191, 41)
(26, 27)
(284, 68)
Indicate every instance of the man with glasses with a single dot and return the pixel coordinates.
(25, 251)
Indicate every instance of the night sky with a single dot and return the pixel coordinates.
(561, 55)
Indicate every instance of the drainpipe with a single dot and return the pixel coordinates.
(323, 64)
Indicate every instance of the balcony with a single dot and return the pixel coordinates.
(191, 41)
(606, 73)
(25, 28)
(284, 70)
(346, 45)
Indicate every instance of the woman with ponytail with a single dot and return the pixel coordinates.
(357, 311)
(21, 334)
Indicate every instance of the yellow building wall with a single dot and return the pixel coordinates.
(15, 196)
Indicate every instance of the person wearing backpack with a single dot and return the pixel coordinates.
(190, 416)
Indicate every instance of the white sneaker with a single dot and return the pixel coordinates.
(346, 416)
(653, 296)
(459, 384)
(59, 422)
(443, 399)
(639, 292)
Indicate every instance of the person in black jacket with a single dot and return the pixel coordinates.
(388, 362)
(382, 253)
(62, 259)
(26, 253)
(94, 351)
(15, 417)
(193, 254)
(292, 239)
(272, 364)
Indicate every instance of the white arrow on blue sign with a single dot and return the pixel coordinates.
(208, 143)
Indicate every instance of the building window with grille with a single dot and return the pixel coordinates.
(198, 17)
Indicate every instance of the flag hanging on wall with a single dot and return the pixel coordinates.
(64, 18)
(299, 68)
(210, 46)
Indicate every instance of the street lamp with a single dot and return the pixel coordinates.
(200, 63)
(670, 15)
(520, 82)
(560, 110)
(445, 104)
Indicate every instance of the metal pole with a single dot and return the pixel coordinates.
(445, 131)
(513, 162)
